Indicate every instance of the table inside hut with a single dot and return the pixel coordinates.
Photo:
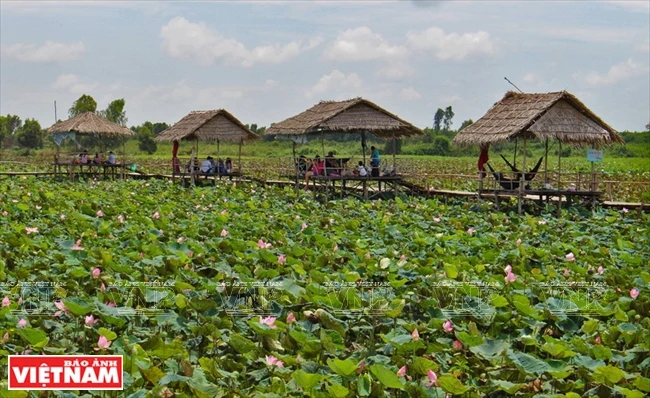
(107, 169)
(351, 185)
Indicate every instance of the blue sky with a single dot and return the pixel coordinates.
(266, 61)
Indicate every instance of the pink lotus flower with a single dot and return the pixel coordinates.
(510, 277)
(20, 300)
(634, 293)
(141, 255)
(507, 269)
(304, 226)
(601, 270)
(120, 218)
(224, 233)
(457, 345)
(541, 222)
(403, 257)
(625, 210)
(448, 326)
(336, 248)
(187, 266)
(62, 217)
(6, 302)
(77, 246)
(96, 273)
(62, 308)
(179, 240)
(90, 321)
(470, 231)
(102, 288)
(100, 213)
(566, 273)
(271, 360)
(436, 219)
(368, 255)
(102, 343)
(402, 371)
(38, 207)
(433, 378)
(21, 323)
(415, 335)
(291, 318)
(223, 212)
(570, 257)
(156, 215)
(4, 213)
(519, 241)
(297, 217)
(269, 321)
(282, 259)
(31, 230)
(598, 340)
(263, 245)
(5, 338)
(111, 304)
(362, 367)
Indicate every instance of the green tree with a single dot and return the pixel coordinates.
(8, 126)
(84, 104)
(30, 135)
(441, 146)
(437, 120)
(447, 118)
(146, 140)
(466, 123)
(115, 112)
(159, 127)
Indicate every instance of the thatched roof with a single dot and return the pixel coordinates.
(214, 125)
(350, 116)
(89, 123)
(558, 115)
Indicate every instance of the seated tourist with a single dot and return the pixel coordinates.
(316, 169)
(84, 157)
(206, 165)
(302, 165)
(331, 164)
(221, 167)
(97, 159)
(111, 158)
(228, 165)
(361, 170)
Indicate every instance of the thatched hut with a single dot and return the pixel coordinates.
(353, 116)
(557, 116)
(216, 125)
(88, 123)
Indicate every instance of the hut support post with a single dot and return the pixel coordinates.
(559, 163)
(296, 169)
(394, 154)
(546, 163)
(363, 147)
(322, 144)
(123, 158)
(241, 142)
(593, 186)
(522, 180)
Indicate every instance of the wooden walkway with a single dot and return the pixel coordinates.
(408, 187)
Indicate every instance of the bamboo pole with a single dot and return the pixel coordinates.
(394, 153)
(296, 169)
(522, 179)
(218, 158)
(546, 163)
(241, 142)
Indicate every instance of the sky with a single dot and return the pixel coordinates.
(266, 61)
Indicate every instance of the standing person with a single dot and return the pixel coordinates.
(374, 161)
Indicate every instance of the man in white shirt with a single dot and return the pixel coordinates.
(206, 165)
(363, 172)
(111, 158)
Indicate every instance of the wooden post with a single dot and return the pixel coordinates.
(322, 143)
(241, 142)
(394, 153)
(123, 158)
(296, 169)
(522, 180)
(559, 167)
(546, 163)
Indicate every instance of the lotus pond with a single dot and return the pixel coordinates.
(247, 291)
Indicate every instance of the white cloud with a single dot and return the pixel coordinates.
(641, 6)
(395, 71)
(361, 44)
(65, 81)
(452, 46)
(185, 39)
(597, 34)
(83, 88)
(532, 78)
(270, 83)
(617, 73)
(410, 94)
(47, 53)
(336, 80)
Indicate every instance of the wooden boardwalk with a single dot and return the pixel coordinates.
(407, 188)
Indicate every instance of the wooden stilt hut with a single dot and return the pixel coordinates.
(354, 116)
(557, 116)
(88, 123)
(214, 125)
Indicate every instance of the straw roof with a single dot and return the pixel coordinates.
(350, 116)
(89, 123)
(558, 115)
(214, 125)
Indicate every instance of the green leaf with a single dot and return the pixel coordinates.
(611, 373)
(153, 374)
(528, 363)
(306, 380)
(109, 334)
(386, 377)
(451, 271)
(469, 340)
(342, 367)
(363, 386)
(642, 383)
(240, 343)
(507, 386)
(423, 365)
(451, 384)
(77, 306)
(337, 390)
(498, 301)
(33, 336)
(490, 349)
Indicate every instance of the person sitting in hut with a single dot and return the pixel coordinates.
(206, 165)
(228, 165)
(84, 159)
(97, 159)
(111, 158)
(221, 167)
(331, 165)
(302, 165)
(361, 170)
(317, 168)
